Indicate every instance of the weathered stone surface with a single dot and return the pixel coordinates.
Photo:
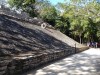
(2, 72)
(4, 61)
(24, 45)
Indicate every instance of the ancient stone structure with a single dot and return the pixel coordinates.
(22, 16)
(25, 45)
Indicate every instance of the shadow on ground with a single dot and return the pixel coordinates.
(78, 64)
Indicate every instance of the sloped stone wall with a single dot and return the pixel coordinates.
(17, 38)
(4, 61)
(18, 64)
(23, 17)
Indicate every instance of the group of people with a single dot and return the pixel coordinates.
(93, 44)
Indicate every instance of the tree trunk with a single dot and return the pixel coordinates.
(80, 39)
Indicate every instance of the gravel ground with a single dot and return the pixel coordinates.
(84, 63)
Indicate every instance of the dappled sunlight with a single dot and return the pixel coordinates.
(93, 51)
(79, 64)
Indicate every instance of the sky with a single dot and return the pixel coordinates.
(54, 2)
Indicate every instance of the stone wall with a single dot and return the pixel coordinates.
(4, 61)
(16, 38)
(19, 64)
(23, 17)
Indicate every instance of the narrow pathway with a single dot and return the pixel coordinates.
(84, 63)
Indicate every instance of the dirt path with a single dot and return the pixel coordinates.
(85, 63)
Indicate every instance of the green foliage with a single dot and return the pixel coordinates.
(79, 18)
(25, 5)
(62, 24)
(83, 17)
(47, 12)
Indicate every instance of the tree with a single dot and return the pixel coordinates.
(63, 25)
(47, 12)
(79, 19)
(83, 16)
(25, 5)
